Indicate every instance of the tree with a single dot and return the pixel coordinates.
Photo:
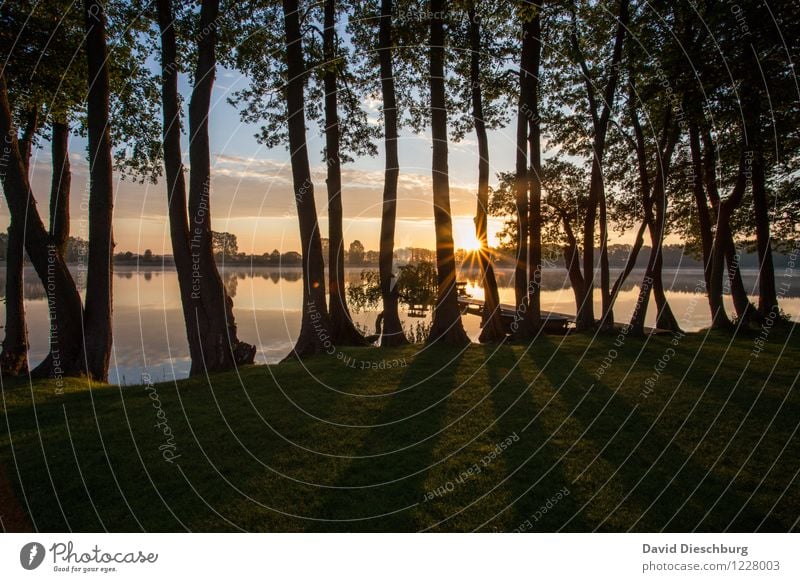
(315, 323)
(392, 330)
(342, 330)
(447, 326)
(532, 31)
(97, 315)
(207, 308)
(66, 338)
(356, 253)
(225, 244)
(598, 72)
(492, 326)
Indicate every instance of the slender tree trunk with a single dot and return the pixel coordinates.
(492, 328)
(447, 326)
(14, 357)
(60, 188)
(520, 329)
(572, 262)
(534, 312)
(343, 331)
(64, 302)
(722, 241)
(314, 335)
(193, 310)
(767, 293)
(596, 201)
(221, 348)
(630, 263)
(656, 223)
(392, 330)
(97, 315)
(745, 310)
(701, 201)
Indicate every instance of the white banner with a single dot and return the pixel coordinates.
(399, 557)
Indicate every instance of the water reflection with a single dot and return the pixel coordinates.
(148, 320)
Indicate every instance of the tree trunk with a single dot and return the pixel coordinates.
(14, 357)
(492, 328)
(744, 309)
(343, 331)
(520, 328)
(723, 240)
(391, 333)
(219, 344)
(97, 315)
(64, 302)
(630, 264)
(314, 335)
(701, 201)
(585, 318)
(657, 226)
(193, 310)
(392, 330)
(60, 188)
(447, 326)
(572, 262)
(534, 313)
(767, 293)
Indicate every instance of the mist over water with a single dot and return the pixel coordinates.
(149, 333)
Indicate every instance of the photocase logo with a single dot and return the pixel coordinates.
(31, 555)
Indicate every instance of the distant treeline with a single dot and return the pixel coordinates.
(674, 255)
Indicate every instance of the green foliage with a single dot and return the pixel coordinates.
(224, 244)
(417, 284)
(366, 294)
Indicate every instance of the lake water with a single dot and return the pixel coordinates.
(148, 321)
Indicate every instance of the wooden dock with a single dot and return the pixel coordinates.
(553, 322)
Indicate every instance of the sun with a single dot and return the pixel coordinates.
(464, 236)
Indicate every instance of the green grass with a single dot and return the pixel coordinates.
(319, 446)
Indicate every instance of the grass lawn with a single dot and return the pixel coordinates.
(491, 438)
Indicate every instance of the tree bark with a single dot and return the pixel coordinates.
(315, 335)
(193, 310)
(585, 318)
(60, 188)
(343, 331)
(447, 326)
(655, 221)
(767, 293)
(572, 261)
(392, 330)
(630, 264)
(64, 302)
(492, 328)
(520, 328)
(745, 310)
(701, 201)
(217, 335)
(723, 240)
(14, 356)
(534, 313)
(97, 315)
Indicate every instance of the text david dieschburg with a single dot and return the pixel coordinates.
(694, 549)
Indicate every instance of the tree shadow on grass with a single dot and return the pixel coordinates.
(652, 486)
(539, 489)
(383, 483)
